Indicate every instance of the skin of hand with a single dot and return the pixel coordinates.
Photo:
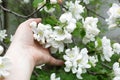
(25, 53)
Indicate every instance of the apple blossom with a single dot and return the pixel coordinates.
(90, 26)
(53, 1)
(116, 48)
(4, 66)
(75, 8)
(93, 60)
(26, 1)
(116, 69)
(114, 15)
(2, 34)
(1, 49)
(51, 10)
(76, 60)
(53, 77)
(67, 17)
(107, 49)
(86, 1)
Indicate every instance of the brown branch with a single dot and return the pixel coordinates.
(19, 15)
(95, 13)
(36, 73)
(107, 66)
(94, 73)
(4, 45)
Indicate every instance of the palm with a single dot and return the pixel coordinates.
(24, 36)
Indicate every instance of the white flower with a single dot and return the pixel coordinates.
(60, 34)
(116, 48)
(71, 22)
(67, 17)
(42, 32)
(53, 77)
(86, 1)
(40, 66)
(11, 37)
(107, 49)
(53, 1)
(56, 46)
(1, 49)
(116, 78)
(75, 8)
(0, 1)
(90, 26)
(116, 69)
(4, 66)
(76, 60)
(41, 4)
(49, 10)
(26, 1)
(70, 27)
(2, 34)
(114, 14)
(93, 60)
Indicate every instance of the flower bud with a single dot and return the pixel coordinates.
(119, 60)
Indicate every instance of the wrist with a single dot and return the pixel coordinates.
(22, 64)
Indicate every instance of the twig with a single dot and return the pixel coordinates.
(36, 73)
(94, 73)
(107, 66)
(19, 15)
(95, 13)
(119, 1)
(0, 22)
(6, 47)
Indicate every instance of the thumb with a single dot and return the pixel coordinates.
(55, 62)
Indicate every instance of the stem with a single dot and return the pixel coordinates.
(19, 15)
(107, 66)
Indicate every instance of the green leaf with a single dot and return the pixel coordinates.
(99, 42)
(51, 20)
(79, 31)
(35, 2)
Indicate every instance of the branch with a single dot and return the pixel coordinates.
(4, 45)
(0, 22)
(94, 73)
(95, 13)
(107, 66)
(36, 73)
(19, 15)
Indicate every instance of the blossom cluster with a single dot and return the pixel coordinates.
(4, 66)
(45, 8)
(53, 77)
(114, 16)
(78, 61)
(116, 70)
(2, 34)
(55, 37)
(51, 38)
(107, 48)
(90, 26)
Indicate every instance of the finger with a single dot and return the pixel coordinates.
(55, 62)
(27, 23)
(33, 19)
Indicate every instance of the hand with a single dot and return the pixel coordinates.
(24, 42)
(24, 53)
